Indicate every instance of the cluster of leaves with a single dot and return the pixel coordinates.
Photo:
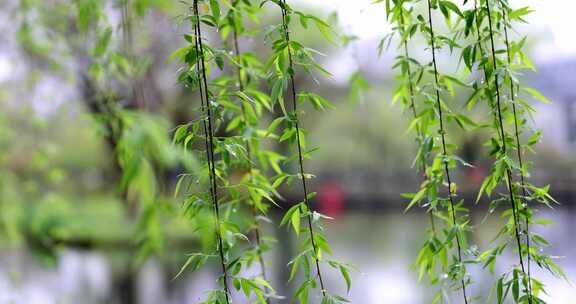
(83, 35)
(506, 100)
(249, 104)
(229, 116)
(142, 149)
(232, 171)
(423, 90)
(231, 125)
(472, 31)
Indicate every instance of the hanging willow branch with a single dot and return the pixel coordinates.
(407, 93)
(250, 167)
(299, 145)
(509, 181)
(209, 142)
(479, 37)
(501, 142)
(287, 56)
(254, 210)
(444, 149)
(523, 185)
(420, 134)
(530, 192)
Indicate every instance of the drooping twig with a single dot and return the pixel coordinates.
(300, 152)
(509, 180)
(520, 159)
(248, 154)
(419, 131)
(444, 149)
(209, 141)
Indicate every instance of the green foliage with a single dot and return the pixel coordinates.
(426, 99)
(231, 172)
(238, 107)
(288, 57)
(473, 31)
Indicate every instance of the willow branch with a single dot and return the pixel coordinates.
(482, 51)
(509, 180)
(519, 155)
(419, 131)
(444, 149)
(209, 141)
(300, 152)
(248, 155)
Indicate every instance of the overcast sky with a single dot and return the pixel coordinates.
(553, 23)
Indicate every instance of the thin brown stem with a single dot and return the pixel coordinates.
(482, 55)
(300, 152)
(419, 131)
(249, 156)
(509, 180)
(127, 41)
(444, 149)
(209, 138)
(520, 159)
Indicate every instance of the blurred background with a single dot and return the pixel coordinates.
(67, 237)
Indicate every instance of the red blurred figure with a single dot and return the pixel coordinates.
(475, 175)
(331, 199)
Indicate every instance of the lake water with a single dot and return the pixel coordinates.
(382, 246)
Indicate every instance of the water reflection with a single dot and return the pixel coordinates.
(383, 247)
